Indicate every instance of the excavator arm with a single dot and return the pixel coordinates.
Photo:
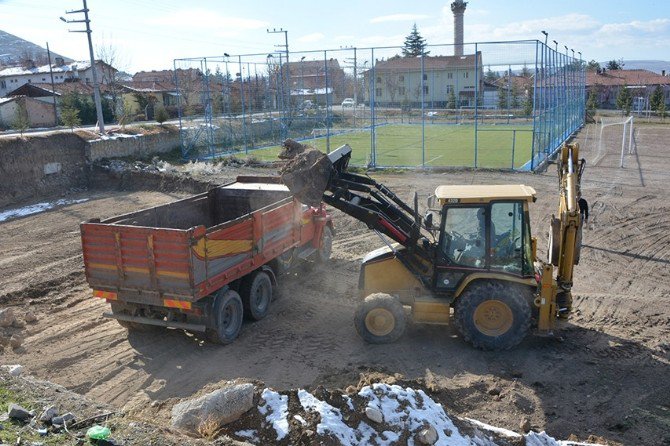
(555, 298)
(373, 203)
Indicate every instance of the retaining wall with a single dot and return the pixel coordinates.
(136, 145)
(36, 167)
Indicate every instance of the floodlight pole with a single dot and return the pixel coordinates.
(96, 87)
(288, 71)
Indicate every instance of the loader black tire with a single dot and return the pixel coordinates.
(256, 294)
(493, 315)
(380, 319)
(325, 246)
(228, 316)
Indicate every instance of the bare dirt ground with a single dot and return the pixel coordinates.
(607, 377)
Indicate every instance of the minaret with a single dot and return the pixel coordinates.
(458, 8)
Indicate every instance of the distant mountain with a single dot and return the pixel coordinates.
(14, 49)
(657, 66)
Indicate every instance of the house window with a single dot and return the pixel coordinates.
(425, 89)
(3, 84)
(378, 91)
(466, 74)
(379, 80)
(425, 77)
(401, 90)
(401, 78)
(450, 88)
(450, 75)
(44, 79)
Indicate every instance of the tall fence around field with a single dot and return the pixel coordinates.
(499, 105)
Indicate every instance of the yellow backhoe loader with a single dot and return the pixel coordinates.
(470, 260)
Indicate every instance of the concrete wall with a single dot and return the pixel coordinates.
(40, 166)
(138, 146)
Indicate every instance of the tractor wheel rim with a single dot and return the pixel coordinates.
(380, 321)
(493, 318)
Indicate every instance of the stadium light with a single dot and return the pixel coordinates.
(556, 45)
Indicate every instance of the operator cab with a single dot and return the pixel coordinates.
(483, 229)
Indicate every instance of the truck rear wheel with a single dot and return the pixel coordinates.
(493, 315)
(256, 293)
(380, 319)
(228, 318)
(326, 247)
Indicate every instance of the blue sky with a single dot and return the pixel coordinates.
(150, 34)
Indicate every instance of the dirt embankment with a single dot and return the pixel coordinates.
(604, 375)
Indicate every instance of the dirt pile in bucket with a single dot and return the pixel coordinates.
(292, 148)
(307, 175)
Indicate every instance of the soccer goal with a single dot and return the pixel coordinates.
(610, 131)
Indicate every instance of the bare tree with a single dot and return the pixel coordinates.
(115, 62)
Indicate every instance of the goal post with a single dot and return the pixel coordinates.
(627, 143)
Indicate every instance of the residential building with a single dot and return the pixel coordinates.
(317, 80)
(40, 114)
(13, 77)
(607, 83)
(402, 81)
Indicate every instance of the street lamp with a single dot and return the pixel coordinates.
(546, 36)
(555, 42)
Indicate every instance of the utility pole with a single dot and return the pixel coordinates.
(288, 72)
(96, 87)
(53, 87)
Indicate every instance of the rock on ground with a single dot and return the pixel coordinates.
(374, 414)
(427, 435)
(7, 317)
(30, 317)
(307, 176)
(13, 369)
(17, 412)
(220, 407)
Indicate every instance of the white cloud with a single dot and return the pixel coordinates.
(398, 18)
(203, 18)
(311, 38)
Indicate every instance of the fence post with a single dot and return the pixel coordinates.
(373, 154)
(244, 114)
(476, 105)
(184, 150)
(423, 113)
(513, 146)
(532, 143)
(325, 69)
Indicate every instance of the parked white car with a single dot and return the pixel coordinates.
(348, 102)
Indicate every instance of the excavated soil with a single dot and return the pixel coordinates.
(604, 377)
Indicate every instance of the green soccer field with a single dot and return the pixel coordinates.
(445, 145)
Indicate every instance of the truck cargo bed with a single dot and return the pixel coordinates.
(187, 249)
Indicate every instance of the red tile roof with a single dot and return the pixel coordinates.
(626, 77)
(429, 62)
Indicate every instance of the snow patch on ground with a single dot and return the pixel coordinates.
(275, 411)
(332, 424)
(249, 434)
(36, 208)
(411, 409)
(497, 430)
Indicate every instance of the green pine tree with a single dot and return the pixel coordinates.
(502, 98)
(70, 117)
(21, 120)
(451, 100)
(415, 45)
(657, 98)
(528, 104)
(624, 100)
(592, 101)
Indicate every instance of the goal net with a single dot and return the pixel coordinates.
(614, 132)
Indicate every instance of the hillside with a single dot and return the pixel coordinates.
(13, 49)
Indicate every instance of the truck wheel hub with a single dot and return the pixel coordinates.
(493, 318)
(380, 321)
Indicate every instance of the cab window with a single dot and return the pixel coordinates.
(464, 236)
(507, 235)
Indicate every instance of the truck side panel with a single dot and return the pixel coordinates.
(118, 257)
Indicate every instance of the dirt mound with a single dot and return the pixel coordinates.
(292, 148)
(307, 175)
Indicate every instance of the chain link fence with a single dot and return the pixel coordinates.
(499, 105)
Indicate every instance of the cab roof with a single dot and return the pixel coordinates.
(484, 193)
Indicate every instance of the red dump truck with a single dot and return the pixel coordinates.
(204, 262)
